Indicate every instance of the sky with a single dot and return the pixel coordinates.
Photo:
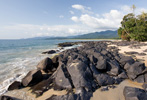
(35, 18)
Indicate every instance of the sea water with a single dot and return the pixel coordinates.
(18, 57)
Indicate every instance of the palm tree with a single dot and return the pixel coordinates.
(133, 8)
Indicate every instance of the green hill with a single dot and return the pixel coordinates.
(98, 35)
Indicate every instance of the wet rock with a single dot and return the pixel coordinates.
(15, 85)
(49, 52)
(46, 65)
(135, 69)
(32, 78)
(66, 44)
(131, 93)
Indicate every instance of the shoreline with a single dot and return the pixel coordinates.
(119, 47)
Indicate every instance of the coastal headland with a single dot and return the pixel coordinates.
(95, 70)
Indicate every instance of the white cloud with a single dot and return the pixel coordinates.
(106, 21)
(61, 16)
(82, 8)
(74, 18)
(78, 7)
(71, 12)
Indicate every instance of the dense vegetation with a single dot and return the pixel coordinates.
(133, 28)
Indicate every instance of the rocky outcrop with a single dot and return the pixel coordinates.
(84, 69)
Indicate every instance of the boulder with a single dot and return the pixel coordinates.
(80, 74)
(102, 63)
(15, 85)
(104, 79)
(49, 52)
(131, 93)
(62, 78)
(126, 59)
(135, 69)
(32, 78)
(113, 68)
(123, 75)
(46, 65)
(140, 79)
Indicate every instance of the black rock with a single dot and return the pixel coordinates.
(46, 65)
(113, 68)
(32, 78)
(62, 78)
(140, 79)
(126, 59)
(49, 52)
(80, 74)
(104, 79)
(15, 85)
(102, 63)
(131, 93)
(135, 69)
(123, 75)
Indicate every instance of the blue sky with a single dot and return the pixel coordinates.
(33, 18)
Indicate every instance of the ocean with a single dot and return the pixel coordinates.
(18, 57)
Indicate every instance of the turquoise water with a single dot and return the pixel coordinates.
(17, 57)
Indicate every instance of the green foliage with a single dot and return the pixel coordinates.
(133, 28)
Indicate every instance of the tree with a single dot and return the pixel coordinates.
(129, 30)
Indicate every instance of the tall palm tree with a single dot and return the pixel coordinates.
(133, 8)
